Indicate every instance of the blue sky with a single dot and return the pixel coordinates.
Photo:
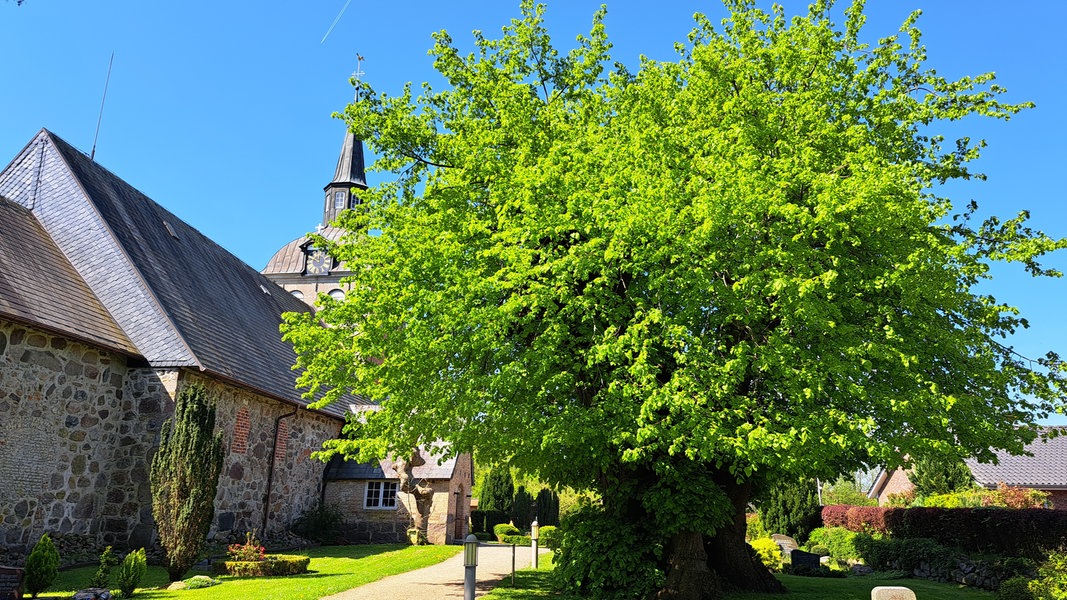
(221, 111)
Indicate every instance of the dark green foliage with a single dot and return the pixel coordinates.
(321, 524)
(607, 556)
(42, 566)
(883, 554)
(791, 508)
(133, 568)
(549, 536)
(819, 571)
(1016, 588)
(102, 578)
(185, 477)
(521, 507)
(483, 536)
(517, 540)
(486, 520)
(937, 475)
(547, 512)
(497, 491)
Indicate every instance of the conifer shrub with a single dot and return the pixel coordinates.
(102, 578)
(769, 553)
(548, 536)
(130, 572)
(791, 508)
(42, 566)
(184, 479)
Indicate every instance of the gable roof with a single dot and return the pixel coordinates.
(340, 469)
(182, 299)
(40, 287)
(1046, 469)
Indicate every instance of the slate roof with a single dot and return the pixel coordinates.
(1046, 469)
(350, 168)
(39, 286)
(182, 299)
(290, 258)
(340, 469)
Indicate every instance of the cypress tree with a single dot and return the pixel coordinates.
(184, 479)
(547, 507)
(791, 508)
(42, 566)
(498, 491)
(521, 506)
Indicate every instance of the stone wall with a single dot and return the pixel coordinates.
(247, 422)
(72, 440)
(78, 428)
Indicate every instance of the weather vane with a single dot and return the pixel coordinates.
(358, 73)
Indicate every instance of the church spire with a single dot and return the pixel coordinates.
(350, 172)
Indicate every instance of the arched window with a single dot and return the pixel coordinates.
(337, 295)
(298, 294)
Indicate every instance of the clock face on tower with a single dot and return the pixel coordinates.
(318, 262)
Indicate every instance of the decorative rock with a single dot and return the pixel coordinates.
(861, 570)
(886, 592)
(93, 594)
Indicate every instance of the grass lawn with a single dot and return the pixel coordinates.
(333, 569)
(531, 584)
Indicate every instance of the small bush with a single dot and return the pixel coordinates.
(505, 529)
(903, 554)
(131, 571)
(102, 578)
(820, 550)
(321, 524)
(769, 553)
(518, 540)
(483, 536)
(838, 541)
(273, 565)
(1016, 588)
(549, 536)
(754, 527)
(200, 581)
(1051, 582)
(42, 566)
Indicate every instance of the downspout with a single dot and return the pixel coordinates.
(270, 468)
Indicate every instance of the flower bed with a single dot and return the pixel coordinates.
(272, 565)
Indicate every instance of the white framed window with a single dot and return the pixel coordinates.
(337, 295)
(298, 294)
(380, 494)
(339, 198)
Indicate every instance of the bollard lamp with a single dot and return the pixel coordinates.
(470, 551)
(533, 529)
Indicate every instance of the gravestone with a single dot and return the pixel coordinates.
(10, 582)
(804, 560)
(786, 543)
(886, 592)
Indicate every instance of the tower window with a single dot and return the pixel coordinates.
(339, 198)
(337, 295)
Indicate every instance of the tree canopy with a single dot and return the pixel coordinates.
(667, 281)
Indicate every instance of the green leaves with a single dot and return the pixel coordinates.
(732, 262)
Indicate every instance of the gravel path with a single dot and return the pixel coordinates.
(445, 579)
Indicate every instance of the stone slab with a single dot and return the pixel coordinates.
(887, 592)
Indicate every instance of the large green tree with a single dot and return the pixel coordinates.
(677, 282)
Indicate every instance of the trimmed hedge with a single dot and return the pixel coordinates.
(1028, 532)
(274, 565)
(505, 529)
(518, 540)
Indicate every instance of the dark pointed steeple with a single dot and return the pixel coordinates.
(349, 174)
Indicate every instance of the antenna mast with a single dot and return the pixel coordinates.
(99, 117)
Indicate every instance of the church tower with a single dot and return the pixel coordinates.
(348, 175)
(300, 267)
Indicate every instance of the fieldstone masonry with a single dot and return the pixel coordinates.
(78, 427)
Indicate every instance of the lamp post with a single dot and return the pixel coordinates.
(470, 563)
(533, 541)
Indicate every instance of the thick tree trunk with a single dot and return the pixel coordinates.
(423, 494)
(688, 575)
(736, 564)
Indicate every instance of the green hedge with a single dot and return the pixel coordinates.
(275, 565)
(518, 540)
